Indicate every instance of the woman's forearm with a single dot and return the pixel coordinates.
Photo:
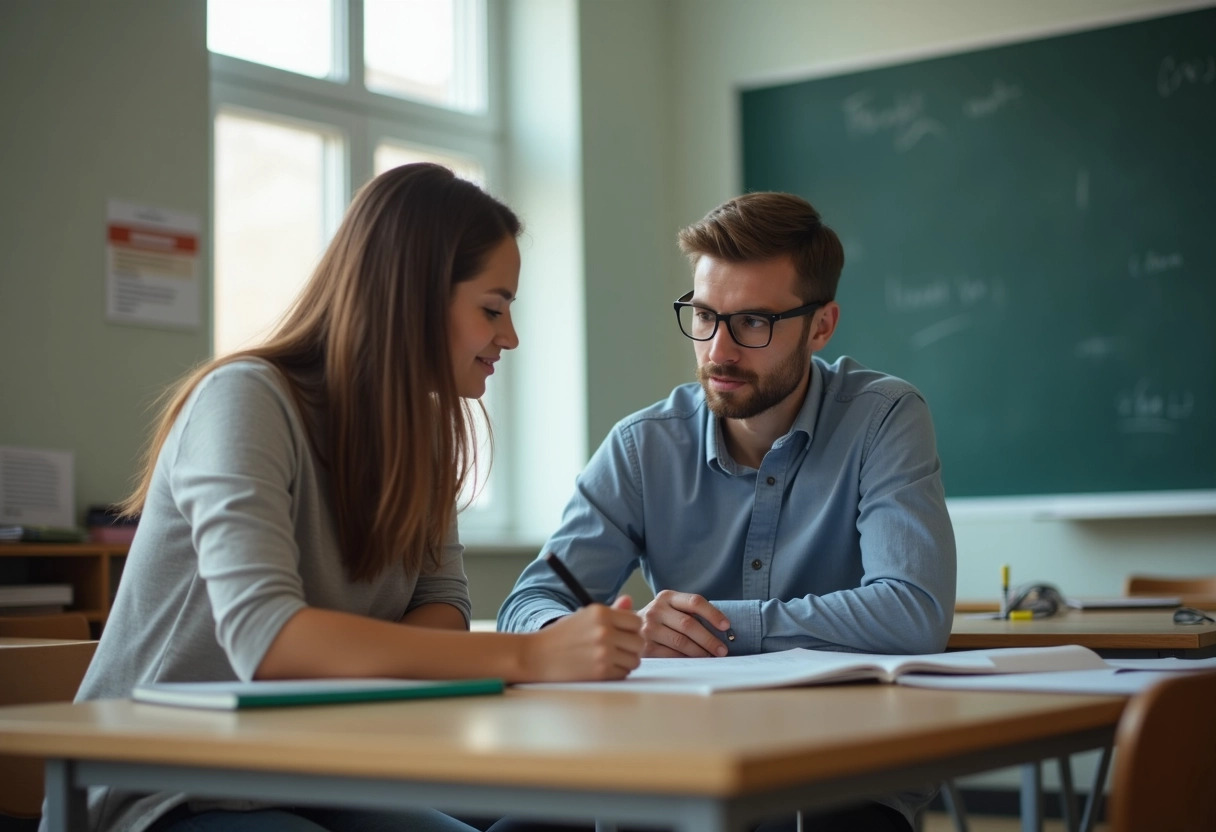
(597, 642)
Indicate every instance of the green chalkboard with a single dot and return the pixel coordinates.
(1030, 238)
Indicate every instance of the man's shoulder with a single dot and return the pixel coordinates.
(685, 404)
(847, 379)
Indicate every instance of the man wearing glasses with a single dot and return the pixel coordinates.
(783, 501)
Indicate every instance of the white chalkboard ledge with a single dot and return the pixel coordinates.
(1086, 506)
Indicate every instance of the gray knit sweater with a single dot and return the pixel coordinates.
(237, 535)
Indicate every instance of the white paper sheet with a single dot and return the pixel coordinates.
(37, 487)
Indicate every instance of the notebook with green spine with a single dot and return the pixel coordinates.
(230, 696)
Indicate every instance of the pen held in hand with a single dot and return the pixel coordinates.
(571, 582)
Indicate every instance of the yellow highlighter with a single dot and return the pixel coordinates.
(1021, 615)
(1005, 591)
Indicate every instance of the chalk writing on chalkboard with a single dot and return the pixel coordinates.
(1149, 409)
(1175, 74)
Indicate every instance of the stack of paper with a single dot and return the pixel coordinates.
(1124, 676)
(1123, 602)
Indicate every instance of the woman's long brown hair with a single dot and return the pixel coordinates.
(365, 348)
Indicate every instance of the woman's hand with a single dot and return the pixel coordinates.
(597, 642)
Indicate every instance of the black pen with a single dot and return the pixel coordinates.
(584, 599)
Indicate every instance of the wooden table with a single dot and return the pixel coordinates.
(697, 764)
(1113, 633)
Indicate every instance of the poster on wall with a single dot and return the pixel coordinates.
(37, 487)
(152, 266)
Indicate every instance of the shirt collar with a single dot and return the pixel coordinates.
(719, 459)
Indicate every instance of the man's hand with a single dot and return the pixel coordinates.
(671, 627)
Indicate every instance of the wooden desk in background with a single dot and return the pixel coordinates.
(1113, 633)
(35, 670)
(93, 570)
(697, 764)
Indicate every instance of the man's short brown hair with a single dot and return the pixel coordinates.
(764, 225)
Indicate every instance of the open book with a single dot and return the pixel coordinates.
(228, 696)
(817, 667)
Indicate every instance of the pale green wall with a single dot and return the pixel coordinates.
(100, 100)
(633, 346)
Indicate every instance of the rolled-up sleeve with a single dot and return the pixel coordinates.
(445, 582)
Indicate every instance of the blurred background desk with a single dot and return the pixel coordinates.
(93, 570)
(34, 670)
(1112, 633)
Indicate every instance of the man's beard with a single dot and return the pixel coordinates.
(765, 393)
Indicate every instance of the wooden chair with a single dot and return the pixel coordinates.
(1165, 758)
(1195, 592)
(68, 625)
(33, 671)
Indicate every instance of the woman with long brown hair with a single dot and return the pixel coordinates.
(299, 497)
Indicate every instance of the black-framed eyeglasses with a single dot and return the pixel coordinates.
(753, 330)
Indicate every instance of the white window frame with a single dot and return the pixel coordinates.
(363, 119)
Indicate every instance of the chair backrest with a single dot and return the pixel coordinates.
(1198, 591)
(34, 670)
(68, 625)
(1165, 758)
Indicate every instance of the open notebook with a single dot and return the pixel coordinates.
(818, 667)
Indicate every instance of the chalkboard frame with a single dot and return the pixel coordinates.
(1080, 506)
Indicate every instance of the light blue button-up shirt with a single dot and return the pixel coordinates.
(840, 541)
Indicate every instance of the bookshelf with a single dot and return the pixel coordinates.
(93, 570)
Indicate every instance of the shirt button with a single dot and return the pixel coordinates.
(771, 480)
(757, 564)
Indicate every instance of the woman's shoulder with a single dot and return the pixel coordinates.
(247, 390)
(245, 377)
(248, 370)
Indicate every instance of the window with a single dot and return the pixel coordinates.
(303, 114)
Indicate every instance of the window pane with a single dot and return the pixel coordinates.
(270, 203)
(393, 154)
(427, 50)
(295, 35)
(481, 484)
